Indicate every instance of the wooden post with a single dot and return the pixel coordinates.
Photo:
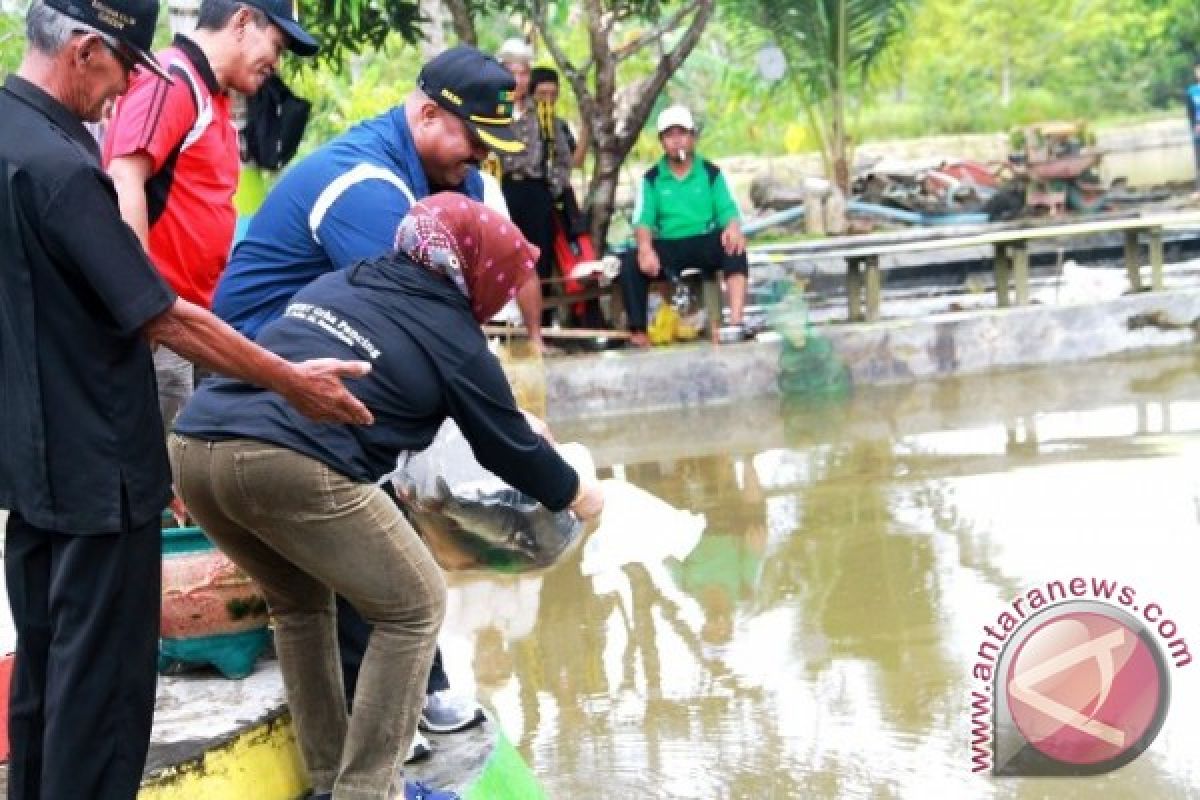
(711, 292)
(1019, 254)
(1003, 268)
(854, 289)
(1154, 244)
(1132, 268)
(874, 281)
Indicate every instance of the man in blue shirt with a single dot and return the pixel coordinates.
(341, 205)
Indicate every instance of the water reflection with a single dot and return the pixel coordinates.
(817, 639)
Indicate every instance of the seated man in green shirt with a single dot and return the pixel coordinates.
(685, 217)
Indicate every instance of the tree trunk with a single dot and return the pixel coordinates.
(462, 21)
(602, 193)
(434, 40)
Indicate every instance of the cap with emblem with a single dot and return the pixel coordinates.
(130, 22)
(476, 88)
(283, 14)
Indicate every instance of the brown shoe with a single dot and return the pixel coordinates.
(639, 339)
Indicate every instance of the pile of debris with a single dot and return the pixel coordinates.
(1052, 169)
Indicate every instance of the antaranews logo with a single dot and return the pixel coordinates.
(1072, 680)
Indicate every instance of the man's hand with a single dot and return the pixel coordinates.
(732, 239)
(316, 390)
(313, 387)
(648, 261)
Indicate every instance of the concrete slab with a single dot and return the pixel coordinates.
(890, 352)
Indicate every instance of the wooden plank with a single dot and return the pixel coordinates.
(557, 333)
(1025, 235)
(937, 238)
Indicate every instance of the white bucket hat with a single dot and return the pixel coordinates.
(676, 116)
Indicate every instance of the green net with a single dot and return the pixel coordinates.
(808, 364)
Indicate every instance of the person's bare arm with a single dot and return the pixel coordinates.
(129, 174)
(529, 302)
(732, 238)
(648, 261)
(314, 387)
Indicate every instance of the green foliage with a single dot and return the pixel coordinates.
(832, 48)
(362, 87)
(959, 65)
(12, 41)
(990, 64)
(356, 27)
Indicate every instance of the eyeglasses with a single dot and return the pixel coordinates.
(126, 59)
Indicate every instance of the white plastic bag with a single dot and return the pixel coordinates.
(471, 519)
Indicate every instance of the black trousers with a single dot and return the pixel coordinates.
(354, 632)
(675, 255)
(532, 208)
(86, 610)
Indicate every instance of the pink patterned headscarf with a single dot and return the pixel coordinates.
(479, 250)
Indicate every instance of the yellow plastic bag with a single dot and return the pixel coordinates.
(661, 329)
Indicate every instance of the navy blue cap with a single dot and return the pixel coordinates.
(283, 13)
(477, 88)
(130, 22)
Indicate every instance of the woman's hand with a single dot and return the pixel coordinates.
(589, 500)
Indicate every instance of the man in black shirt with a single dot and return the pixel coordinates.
(83, 468)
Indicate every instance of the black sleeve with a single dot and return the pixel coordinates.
(83, 224)
(481, 402)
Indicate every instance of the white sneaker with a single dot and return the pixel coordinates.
(419, 750)
(446, 712)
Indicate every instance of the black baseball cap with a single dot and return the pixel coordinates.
(475, 87)
(283, 14)
(130, 22)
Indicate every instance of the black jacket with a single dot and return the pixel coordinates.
(429, 360)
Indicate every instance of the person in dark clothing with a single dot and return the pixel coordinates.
(535, 177)
(342, 204)
(83, 467)
(298, 506)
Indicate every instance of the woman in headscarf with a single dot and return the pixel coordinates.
(296, 505)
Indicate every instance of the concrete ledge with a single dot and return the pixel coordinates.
(884, 353)
(218, 739)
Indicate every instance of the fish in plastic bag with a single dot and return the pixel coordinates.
(471, 519)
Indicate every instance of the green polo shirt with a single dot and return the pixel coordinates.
(675, 208)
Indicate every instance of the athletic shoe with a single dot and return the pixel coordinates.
(419, 750)
(446, 712)
(419, 791)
